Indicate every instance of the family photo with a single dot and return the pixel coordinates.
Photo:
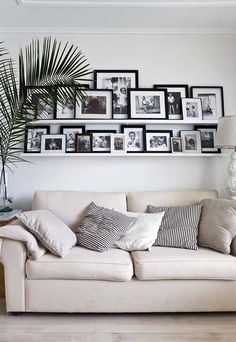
(34, 137)
(84, 144)
(147, 104)
(66, 111)
(94, 105)
(192, 109)
(174, 103)
(209, 109)
(158, 141)
(70, 133)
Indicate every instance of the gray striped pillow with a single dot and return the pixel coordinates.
(179, 227)
(102, 227)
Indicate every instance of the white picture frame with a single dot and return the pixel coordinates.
(53, 143)
(192, 109)
(97, 104)
(118, 143)
(191, 141)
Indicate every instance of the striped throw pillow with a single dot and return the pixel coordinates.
(102, 227)
(179, 227)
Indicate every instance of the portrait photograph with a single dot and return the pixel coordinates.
(158, 141)
(53, 143)
(147, 104)
(177, 145)
(175, 93)
(134, 137)
(66, 111)
(33, 138)
(119, 81)
(192, 109)
(83, 143)
(212, 99)
(208, 135)
(101, 140)
(97, 104)
(191, 141)
(70, 133)
(118, 143)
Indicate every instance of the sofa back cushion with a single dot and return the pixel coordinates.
(138, 201)
(71, 206)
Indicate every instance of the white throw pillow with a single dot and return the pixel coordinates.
(53, 234)
(142, 234)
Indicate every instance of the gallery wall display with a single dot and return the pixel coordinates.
(119, 81)
(116, 95)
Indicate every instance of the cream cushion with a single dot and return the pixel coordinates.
(82, 263)
(71, 206)
(175, 263)
(138, 201)
(142, 234)
(53, 234)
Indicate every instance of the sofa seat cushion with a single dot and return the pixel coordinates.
(82, 263)
(175, 263)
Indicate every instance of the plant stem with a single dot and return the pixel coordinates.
(3, 183)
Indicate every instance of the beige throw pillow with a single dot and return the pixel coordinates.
(217, 226)
(54, 235)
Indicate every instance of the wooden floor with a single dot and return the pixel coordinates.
(116, 327)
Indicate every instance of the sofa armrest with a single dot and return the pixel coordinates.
(13, 258)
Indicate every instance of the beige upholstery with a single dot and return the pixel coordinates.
(82, 263)
(177, 263)
(130, 296)
(70, 206)
(13, 257)
(138, 201)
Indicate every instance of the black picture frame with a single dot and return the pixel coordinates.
(207, 149)
(146, 90)
(34, 102)
(95, 115)
(116, 73)
(90, 143)
(184, 87)
(92, 131)
(47, 128)
(221, 90)
(143, 127)
(63, 128)
(170, 132)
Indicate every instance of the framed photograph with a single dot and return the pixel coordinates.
(53, 143)
(118, 144)
(177, 145)
(192, 109)
(33, 137)
(208, 138)
(83, 143)
(147, 103)
(175, 93)
(44, 103)
(97, 104)
(191, 141)
(66, 111)
(158, 141)
(119, 81)
(212, 101)
(70, 133)
(101, 140)
(134, 138)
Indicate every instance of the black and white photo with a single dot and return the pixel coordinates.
(134, 137)
(66, 110)
(192, 109)
(175, 93)
(118, 143)
(33, 138)
(97, 104)
(147, 104)
(44, 105)
(212, 99)
(158, 141)
(119, 81)
(177, 145)
(70, 133)
(53, 143)
(191, 141)
(208, 135)
(83, 143)
(101, 140)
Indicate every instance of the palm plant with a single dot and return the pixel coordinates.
(44, 65)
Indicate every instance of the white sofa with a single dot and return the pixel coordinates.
(163, 280)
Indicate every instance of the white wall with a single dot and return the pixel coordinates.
(195, 60)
